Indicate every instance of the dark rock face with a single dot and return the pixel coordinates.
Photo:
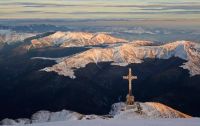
(24, 89)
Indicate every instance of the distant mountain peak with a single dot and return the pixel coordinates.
(71, 35)
(142, 43)
(75, 39)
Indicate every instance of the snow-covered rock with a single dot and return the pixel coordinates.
(41, 116)
(133, 52)
(21, 121)
(75, 39)
(149, 110)
(46, 116)
(8, 122)
(119, 111)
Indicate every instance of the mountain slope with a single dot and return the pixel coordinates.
(118, 112)
(148, 110)
(75, 39)
(132, 52)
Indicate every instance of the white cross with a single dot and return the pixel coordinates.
(129, 77)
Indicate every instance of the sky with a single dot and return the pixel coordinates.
(100, 9)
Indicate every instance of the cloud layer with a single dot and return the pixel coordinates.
(95, 9)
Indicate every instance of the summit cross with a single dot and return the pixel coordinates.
(130, 97)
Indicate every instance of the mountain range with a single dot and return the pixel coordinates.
(57, 67)
(75, 39)
(132, 52)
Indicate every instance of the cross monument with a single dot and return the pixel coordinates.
(130, 97)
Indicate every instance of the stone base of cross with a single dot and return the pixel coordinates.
(130, 100)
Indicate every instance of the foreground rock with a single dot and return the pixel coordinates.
(149, 110)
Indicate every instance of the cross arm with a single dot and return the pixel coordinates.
(134, 77)
(125, 77)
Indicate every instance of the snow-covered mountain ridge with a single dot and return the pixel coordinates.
(149, 110)
(133, 52)
(75, 39)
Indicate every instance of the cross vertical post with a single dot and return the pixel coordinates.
(130, 97)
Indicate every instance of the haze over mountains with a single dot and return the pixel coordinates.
(130, 31)
(8, 36)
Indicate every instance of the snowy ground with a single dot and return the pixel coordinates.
(119, 112)
(134, 122)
